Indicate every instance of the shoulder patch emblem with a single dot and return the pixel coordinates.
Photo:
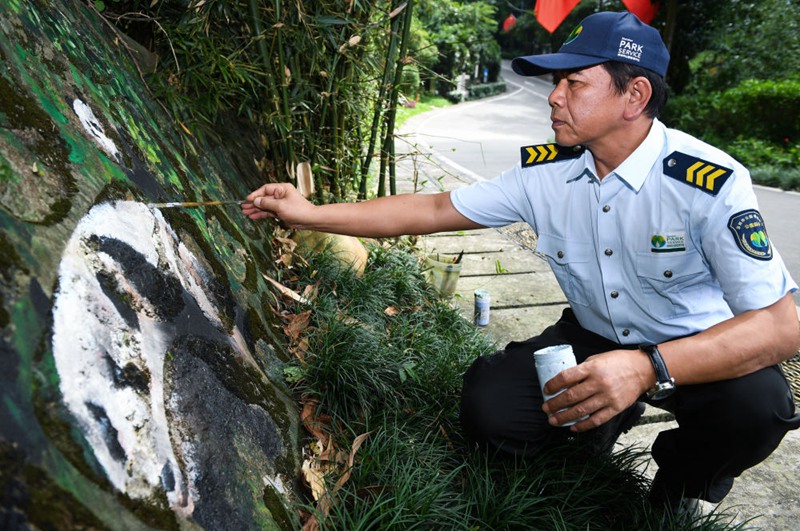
(750, 234)
(696, 172)
(542, 153)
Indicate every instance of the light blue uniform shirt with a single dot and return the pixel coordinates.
(641, 256)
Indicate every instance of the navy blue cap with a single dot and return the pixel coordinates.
(601, 37)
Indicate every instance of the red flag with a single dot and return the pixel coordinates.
(509, 22)
(551, 13)
(644, 9)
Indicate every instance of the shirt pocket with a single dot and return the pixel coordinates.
(571, 262)
(673, 285)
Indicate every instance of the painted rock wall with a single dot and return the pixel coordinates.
(139, 369)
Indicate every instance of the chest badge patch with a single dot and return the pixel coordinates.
(750, 234)
(542, 153)
(696, 172)
(669, 242)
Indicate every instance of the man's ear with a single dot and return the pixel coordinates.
(639, 93)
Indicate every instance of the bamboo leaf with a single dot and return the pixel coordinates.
(330, 20)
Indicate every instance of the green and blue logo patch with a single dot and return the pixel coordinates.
(669, 242)
(750, 234)
(573, 35)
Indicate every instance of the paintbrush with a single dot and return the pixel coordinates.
(193, 204)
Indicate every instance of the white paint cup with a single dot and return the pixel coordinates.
(483, 302)
(549, 362)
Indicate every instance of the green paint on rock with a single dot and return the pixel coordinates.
(52, 172)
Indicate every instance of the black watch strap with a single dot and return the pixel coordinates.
(662, 374)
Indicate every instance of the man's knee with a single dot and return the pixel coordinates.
(753, 404)
(501, 404)
(724, 428)
(483, 399)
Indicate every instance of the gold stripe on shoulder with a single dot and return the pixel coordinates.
(696, 172)
(543, 153)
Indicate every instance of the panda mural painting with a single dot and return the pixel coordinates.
(136, 334)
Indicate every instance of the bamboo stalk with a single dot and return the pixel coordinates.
(398, 77)
(387, 70)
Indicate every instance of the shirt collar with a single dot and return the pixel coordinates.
(635, 169)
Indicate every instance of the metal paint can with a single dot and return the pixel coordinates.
(549, 362)
(483, 302)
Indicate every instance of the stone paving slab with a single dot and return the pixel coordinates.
(516, 324)
(490, 245)
(526, 291)
(479, 241)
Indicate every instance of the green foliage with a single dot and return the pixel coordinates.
(308, 75)
(777, 176)
(362, 353)
(730, 114)
(464, 35)
(752, 40)
(303, 72)
(411, 84)
(478, 91)
(776, 104)
(423, 50)
(763, 153)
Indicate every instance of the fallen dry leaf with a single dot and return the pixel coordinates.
(298, 323)
(317, 425)
(315, 478)
(357, 442)
(285, 259)
(328, 499)
(310, 292)
(286, 291)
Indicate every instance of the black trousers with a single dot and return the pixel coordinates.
(723, 428)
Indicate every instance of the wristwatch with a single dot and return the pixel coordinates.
(665, 384)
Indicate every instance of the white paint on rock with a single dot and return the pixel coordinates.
(88, 330)
(95, 129)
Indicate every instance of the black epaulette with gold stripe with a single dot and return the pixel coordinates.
(696, 172)
(542, 153)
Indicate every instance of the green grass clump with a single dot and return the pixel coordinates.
(385, 356)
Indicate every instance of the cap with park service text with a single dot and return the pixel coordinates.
(601, 37)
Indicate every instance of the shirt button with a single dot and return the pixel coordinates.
(606, 208)
(668, 273)
(614, 294)
(609, 252)
(560, 254)
(626, 332)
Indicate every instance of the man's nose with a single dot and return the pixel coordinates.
(557, 94)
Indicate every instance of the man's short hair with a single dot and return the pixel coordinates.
(622, 73)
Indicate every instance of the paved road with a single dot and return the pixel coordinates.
(481, 139)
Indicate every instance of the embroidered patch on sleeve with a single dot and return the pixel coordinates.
(750, 234)
(696, 172)
(542, 153)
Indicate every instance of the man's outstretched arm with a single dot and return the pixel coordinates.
(377, 218)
